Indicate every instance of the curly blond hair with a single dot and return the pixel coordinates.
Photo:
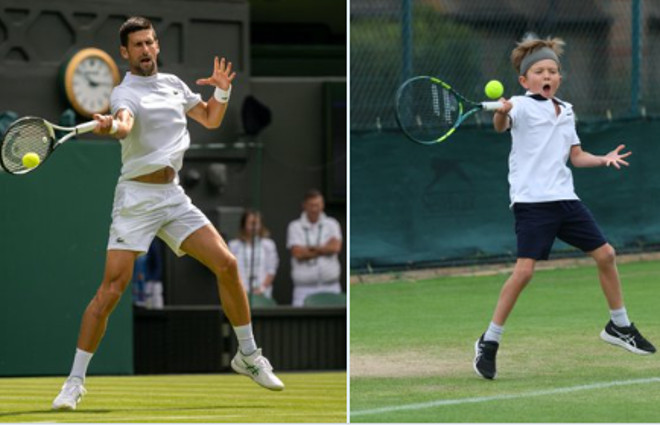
(525, 48)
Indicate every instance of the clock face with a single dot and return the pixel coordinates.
(92, 83)
(89, 78)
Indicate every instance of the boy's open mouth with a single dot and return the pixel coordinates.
(546, 90)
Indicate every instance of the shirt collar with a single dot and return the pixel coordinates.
(540, 98)
(132, 77)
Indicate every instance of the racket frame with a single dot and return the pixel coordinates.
(461, 100)
(85, 127)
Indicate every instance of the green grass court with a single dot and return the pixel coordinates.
(308, 397)
(412, 345)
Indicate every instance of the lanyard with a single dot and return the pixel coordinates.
(318, 235)
(251, 262)
(313, 261)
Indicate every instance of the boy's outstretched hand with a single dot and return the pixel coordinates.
(615, 158)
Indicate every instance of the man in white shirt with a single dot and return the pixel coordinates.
(149, 117)
(315, 241)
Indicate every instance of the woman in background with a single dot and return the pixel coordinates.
(256, 255)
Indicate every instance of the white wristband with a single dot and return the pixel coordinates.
(115, 127)
(222, 96)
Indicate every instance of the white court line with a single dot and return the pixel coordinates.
(564, 390)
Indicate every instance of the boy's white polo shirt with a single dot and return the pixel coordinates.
(159, 137)
(541, 143)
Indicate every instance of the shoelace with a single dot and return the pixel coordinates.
(72, 388)
(263, 362)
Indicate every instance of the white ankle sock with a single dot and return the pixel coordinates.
(80, 363)
(494, 332)
(620, 317)
(246, 342)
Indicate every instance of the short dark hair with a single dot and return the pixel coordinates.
(311, 194)
(133, 24)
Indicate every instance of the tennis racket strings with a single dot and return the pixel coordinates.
(28, 135)
(427, 110)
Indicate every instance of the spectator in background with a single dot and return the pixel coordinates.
(148, 277)
(315, 241)
(256, 255)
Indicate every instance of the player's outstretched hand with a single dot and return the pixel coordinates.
(615, 158)
(222, 75)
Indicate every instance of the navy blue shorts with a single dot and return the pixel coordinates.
(538, 223)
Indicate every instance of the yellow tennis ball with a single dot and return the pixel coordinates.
(31, 160)
(494, 89)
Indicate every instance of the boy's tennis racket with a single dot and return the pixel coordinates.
(34, 135)
(428, 110)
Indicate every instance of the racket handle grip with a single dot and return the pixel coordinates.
(86, 127)
(491, 106)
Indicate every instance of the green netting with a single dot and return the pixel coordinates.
(414, 205)
(610, 65)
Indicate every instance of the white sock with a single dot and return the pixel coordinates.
(494, 332)
(620, 317)
(246, 342)
(80, 363)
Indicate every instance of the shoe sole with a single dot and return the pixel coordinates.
(240, 372)
(63, 407)
(616, 341)
(474, 362)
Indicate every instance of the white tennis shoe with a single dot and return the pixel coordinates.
(258, 368)
(70, 395)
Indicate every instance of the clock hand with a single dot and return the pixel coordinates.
(91, 82)
(94, 83)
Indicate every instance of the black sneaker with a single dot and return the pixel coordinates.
(626, 337)
(484, 357)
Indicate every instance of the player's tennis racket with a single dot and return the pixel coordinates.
(428, 110)
(34, 135)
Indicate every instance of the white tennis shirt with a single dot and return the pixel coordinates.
(541, 143)
(159, 137)
(321, 270)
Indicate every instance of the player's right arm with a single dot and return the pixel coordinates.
(124, 120)
(501, 120)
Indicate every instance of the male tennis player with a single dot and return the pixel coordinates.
(543, 198)
(149, 112)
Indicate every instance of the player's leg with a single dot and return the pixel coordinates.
(117, 276)
(608, 275)
(207, 246)
(619, 330)
(118, 272)
(579, 229)
(536, 227)
(521, 276)
(487, 345)
(134, 225)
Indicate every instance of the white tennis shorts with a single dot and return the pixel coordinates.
(142, 211)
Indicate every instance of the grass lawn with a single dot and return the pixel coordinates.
(412, 345)
(308, 397)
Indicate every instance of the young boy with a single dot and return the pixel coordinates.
(543, 199)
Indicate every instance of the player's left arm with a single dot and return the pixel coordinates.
(210, 114)
(615, 158)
